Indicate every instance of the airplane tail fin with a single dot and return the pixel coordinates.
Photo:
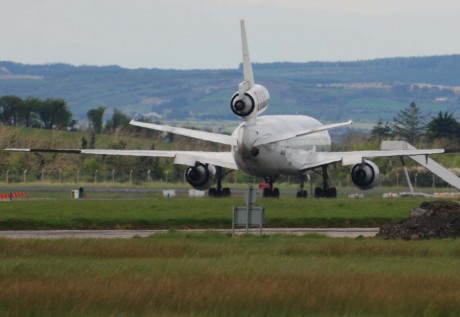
(251, 99)
(248, 82)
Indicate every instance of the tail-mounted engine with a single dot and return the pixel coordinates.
(201, 176)
(254, 102)
(365, 175)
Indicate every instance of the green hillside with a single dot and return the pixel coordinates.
(364, 91)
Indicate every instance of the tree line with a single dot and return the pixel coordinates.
(54, 113)
(411, 125)
(35, 112)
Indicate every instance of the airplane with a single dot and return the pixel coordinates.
(263, 146)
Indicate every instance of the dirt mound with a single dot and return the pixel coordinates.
(432, 220)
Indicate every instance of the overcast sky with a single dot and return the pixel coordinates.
(186, 34)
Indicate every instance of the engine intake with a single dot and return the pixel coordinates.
(255, 101)
(365, 175)
(201, 176)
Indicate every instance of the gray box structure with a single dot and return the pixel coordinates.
(248, 217)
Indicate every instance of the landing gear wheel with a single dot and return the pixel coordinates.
(319, 192)
(302, 194)
(214, 192)
(219, 191)
(331, 192)
(325, 191)
(271, 193)
(226, 192)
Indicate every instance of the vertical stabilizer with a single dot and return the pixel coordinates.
(247, 67)
(250, 99)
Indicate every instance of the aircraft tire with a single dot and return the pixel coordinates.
(319, 193)
(226, 192)
(267, 192)
(331, 192)
(271, 193)
(212, 192)
(302, 194)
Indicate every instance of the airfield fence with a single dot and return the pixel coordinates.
(97, 176)
(137, 177)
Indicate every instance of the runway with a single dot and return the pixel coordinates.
(127, 234)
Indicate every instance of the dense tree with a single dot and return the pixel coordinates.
(10, 109)
(54, 113)
(381, 132)
(83, 143)
(95, 119)
(409, 124)
(444, 125)
(118, 121)
(92, 141)
(29, 114)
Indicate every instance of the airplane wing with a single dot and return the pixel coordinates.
(203, 135)
(317, 159)
(223, 159)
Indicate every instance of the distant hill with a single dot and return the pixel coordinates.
(364, 91)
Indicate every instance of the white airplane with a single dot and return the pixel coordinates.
(263, 146)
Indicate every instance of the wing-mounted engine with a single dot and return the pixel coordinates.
(365, 175)
(201, 176)
(252, 103)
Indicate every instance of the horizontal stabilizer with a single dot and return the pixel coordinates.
(196, 134)
(288, 136)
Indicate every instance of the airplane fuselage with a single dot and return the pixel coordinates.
(283, 157)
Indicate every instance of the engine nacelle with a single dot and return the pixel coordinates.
(365, 175)
(201, 176)
(255, 101)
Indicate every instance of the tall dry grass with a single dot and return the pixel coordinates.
(311, 293)
(213, 274)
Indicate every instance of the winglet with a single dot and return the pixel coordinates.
(247, 67)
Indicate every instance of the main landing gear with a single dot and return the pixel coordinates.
(269, 191)
(302, 193)
(325, 191)
(218, 191)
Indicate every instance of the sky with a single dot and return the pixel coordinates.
(204, 34)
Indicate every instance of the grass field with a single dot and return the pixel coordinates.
(213, 274)
(106, 210)
(216, 275)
